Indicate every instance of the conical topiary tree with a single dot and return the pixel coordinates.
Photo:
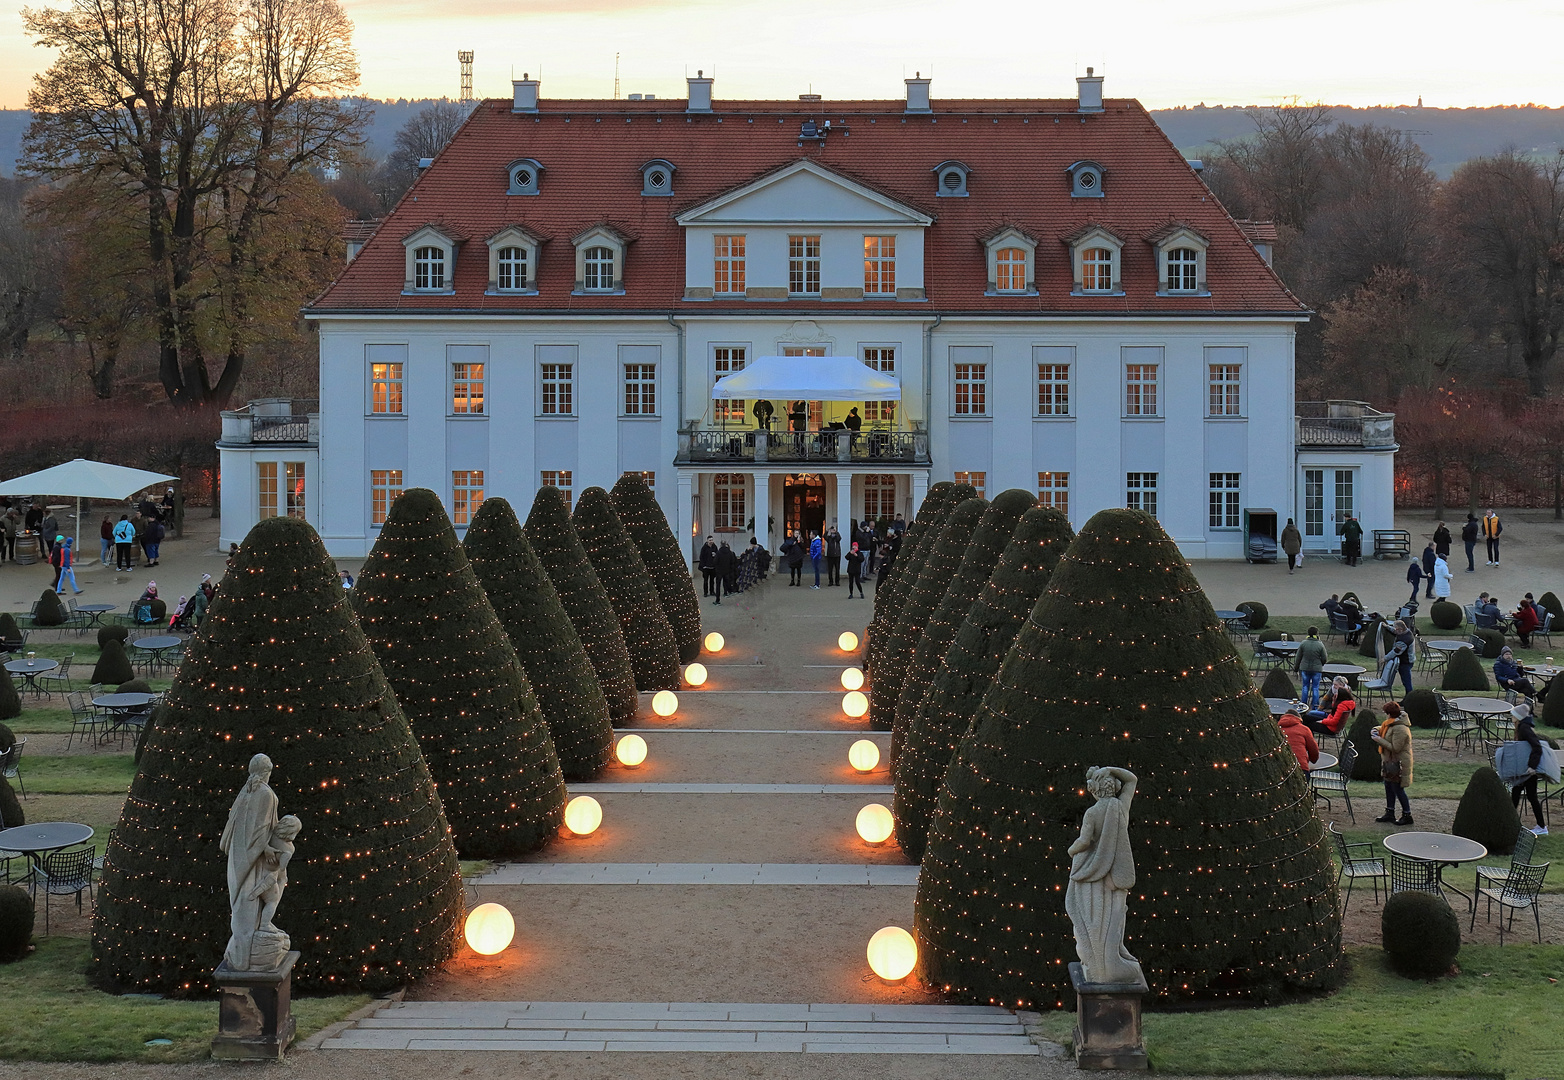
(1278, 684)
(50, 612)
(1123, 662)
(11, 812)
(891, 649)
(648, 527)
(887, 594)
(654, 654)
(10, 700)
(1359, 734)
(940, 566)
(457, 678)
(968, 668)
(528, 608)
(1463, 671)
(9, 631)
(1485, 813)
(112, 633)
(554, 541)
(281, 667)
(1549, 602)
(1421, 708)
(113, 666)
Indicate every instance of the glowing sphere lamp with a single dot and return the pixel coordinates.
(892, 953)
(695, 674)
(583, 815)
(855, 704)
(714, 642)
(852, 679)
(848, 641)
(863, 755)
(665, 702)
(631, 751)
(489, 929)
(874, 824)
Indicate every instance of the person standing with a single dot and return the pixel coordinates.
(816, 552)
(1405, 648)
(32, 523)
(725, 566)
(1415, 576)
(64, 565)
(1292, 546)
(833, 557)
(1469, 533)
(1526, 732)
(1442, 540)
(708, 565)
(11, 523)
(854, 572)
(1429, 556)
(1352, 541)
(105, 540)
(124, 540)
(47, 531)
(867, 544)
(152, 540)
(1310, 663)
(1441, 579)
(887, 558)
(899, 525)
(793, 548)
(1394, 738)
(1491, 529)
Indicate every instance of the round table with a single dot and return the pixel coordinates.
(1327, 761)
(1279, 705)
(1474, 706)
(45, 836)
(1350, 671)
(1232, 617)
(121, 705)
(157, 646)
(1440, 849)
(1547, 672)
(1447, 645)
(30, 670)
(95, 612)
(1283, 648)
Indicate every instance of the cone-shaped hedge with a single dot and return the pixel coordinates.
(1278, 684)
(112, 633)
(50, 612)
(9, 631)
(281, 667)
(649, 531)
(528, 608)
(10, 700)
(940, 567)
(1549, 602)
(113, 666)
(11, 812)
(892, 650)
(1421, 708)
(654, 653)
(558, 548)
(887, 594)
(1124, 663)
(1359, 734)
(969, 666)
(1485, 813)
(1464, 671)
(459, 683)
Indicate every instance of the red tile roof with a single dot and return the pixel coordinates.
(1017, 151)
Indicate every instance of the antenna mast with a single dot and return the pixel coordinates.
(616, 76)
(465, 56)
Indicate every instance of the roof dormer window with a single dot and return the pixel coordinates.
(1181, 260)
(525, 176)
(657, 177)
(1085, 180)
(1012, 263)
(430, 261)
(513, 261)
(600, 260)
(951, 180)
(1095, 256)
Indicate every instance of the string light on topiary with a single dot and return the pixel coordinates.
(632, 592)
(695, 674)
(583, 815)
(892, 953)
(847, 641)
(852, 678)
(665, 703)
(874, 824)
(863, 755)
(631, 751)
(714, 642)
(489, 929)
(855, 704)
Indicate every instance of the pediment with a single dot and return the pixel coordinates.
(804, 192)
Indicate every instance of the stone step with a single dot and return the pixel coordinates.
(698, 874)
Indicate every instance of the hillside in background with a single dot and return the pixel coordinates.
(1447, 136)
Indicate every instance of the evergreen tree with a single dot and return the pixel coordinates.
(113, 666)
(648, 527)
(888, 635)
(968, 668)
(11, 813)
(49, 612)
(1463, 671)
(9, 631)
(940, 567)
(10, 700)
(654, 654)
(1485, 813)
(457, 678)
(1123, 662)
(528, 608)
(887, 592)
(281, 667)
(1278, 684)
(558, 548)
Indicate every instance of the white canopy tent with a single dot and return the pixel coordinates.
(811, 378)
(82, 479)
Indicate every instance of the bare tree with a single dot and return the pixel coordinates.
(423, 136)
(28, 261)
(1278, 173)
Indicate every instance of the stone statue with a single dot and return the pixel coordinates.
(259, 847)
(1102, 871)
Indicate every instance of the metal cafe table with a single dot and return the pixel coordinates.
(94, 613)
(1351, 671)
(122, 706)
(1439, 850)
(30, 670)
(1237, 621)
(156, 646)
(36, 841)
(1485, 710)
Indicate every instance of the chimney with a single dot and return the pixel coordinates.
(918, 94)
(1091, 92)
(525, 90)
(700, 93)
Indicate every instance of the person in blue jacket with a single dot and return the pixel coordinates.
(816, 550)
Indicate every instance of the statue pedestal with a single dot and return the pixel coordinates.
(1107, 1023)
(255, 1015)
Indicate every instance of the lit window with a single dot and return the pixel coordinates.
(384, 487)
(1053, 389)
(385, 384)
(557, 390)
(640, 389)
(466, 495)
(1140, 491)
(1225, 389)
(598, 269)
(645, 474)
(266, 489)
(1140, 389)
(293, 475)
(1053, 490)
(803, 265)
(976, 479)
(512, 269)
(1010, 270)
(467, 389)
(879, 497)
(725, 360)
(729, 265)
(1182, 270)
(1224, 500)
(971, 397)
(429, 268)
(558, 478)
(727, 501)
(884, 361)
(1097, 270)
(879, 265)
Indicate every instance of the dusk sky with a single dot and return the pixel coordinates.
(1344, 52)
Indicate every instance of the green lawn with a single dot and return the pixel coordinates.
(50, 1013)
(79, 774)
(1490, 1020)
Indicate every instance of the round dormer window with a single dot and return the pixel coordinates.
(657, 179)
(523, 177)
(1087, 179)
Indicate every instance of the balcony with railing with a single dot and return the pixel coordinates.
(273, 421)
(752, 446)
(1343, 425)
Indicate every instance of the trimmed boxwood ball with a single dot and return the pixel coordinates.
(888, 595)
(1258, 613)
(50, 611)
(1124, 608)
(113, 666)
(1464, 672)
(546, 643)
(558, 548)
(134, 686)
(1278, 684)
(11, 812)
(1421, 708)
(654, 653)
(969, 667)
(1420, 934)
(10, 699)
(1493, 642)
(1367, 766)
(1485, 813)
(1445, 615)
(281, 666)
(457, 678)
(107, 634)
(649, 531)
(17, 915)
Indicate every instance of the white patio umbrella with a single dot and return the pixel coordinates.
(82, 479)
(816, 378)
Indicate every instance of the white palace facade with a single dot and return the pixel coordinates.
(1065, 305)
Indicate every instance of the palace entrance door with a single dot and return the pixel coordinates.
(803, 502)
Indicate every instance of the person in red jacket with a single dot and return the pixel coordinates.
(1301, 739)
(1526, 622)
(1334, 711)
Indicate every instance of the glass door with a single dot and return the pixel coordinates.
(1314, 502)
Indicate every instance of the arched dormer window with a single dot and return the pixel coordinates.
(950, 180)
(657, 177)
(513, 261)
(1095, 256)
(598, 269)
(600, 260)
(1012, 263)
(525, 177)
(1181, 260)
(430, 261)
(1085, 179)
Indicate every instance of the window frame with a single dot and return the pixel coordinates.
(428, 239)
(644, 384)
(1180, 238)
(546, 379)
(1093, 238)
(978, 479)
(463, 483)
(728, 265)
(1005, 240)
(1055, 491)
(268, 487)
(532, 186)
(392, 486)
(1137, 410)
(1140, 493)
(801, 265)
(729, 491)
(596, 262)
(1042, 358)
(590, 240)
(1230, 386)
(884, 492)
(295, 490)
(1224, 509)
(396, 388)
(457, 406)
(728, 410)
(551, 478)
(880, 412)
(513, 236)
(879, 264)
